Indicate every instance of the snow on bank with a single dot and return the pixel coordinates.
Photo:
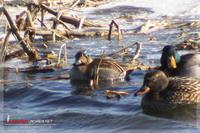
(163, 7)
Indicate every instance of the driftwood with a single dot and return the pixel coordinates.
(86, 3)
(26, 47)
(68, 33)
(3, 47)
(120, 37)
(67, 19)
(115, 94)
(42, 23)
(123, 49)
(110, 94)
(188, 45)
(37, 69)
(31, 12)
(20, 22)
(75, 4)
(42, 17)
(54, 33)
(64, 24)
(137, 52)
(14, 54)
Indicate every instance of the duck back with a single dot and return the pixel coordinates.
(106, 69)
(189, 66)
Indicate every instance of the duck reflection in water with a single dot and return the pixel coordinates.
(83, 88)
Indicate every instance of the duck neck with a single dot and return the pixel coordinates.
(168, 71)
(154, 96)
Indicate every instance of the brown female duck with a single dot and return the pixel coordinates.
(162, 94)
(87, 69)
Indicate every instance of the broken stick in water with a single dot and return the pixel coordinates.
(120, 35)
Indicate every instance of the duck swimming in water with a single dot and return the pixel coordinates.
(175, 65)
(87, 69)
(162, 94)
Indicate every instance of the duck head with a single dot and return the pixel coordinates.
(154, 82)
(82, 59)
(170, 57)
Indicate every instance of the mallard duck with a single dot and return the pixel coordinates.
(175, 65)
(102, 69)
(162, 94)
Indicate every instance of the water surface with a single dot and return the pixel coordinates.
(75, 108)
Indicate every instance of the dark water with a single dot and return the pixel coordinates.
(81, 109)
(72, 108)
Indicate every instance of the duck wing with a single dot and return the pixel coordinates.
(183, 90)
(107, 63)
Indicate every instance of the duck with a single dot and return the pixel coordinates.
(174, 64)
(89, 70)
(163, 94)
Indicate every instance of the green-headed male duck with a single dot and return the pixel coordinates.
(175, 65)
(89, 70)
(161, 93)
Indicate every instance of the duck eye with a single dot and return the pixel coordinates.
(150, 80)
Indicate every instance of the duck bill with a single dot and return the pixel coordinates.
(172, 62)
(142, 91)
